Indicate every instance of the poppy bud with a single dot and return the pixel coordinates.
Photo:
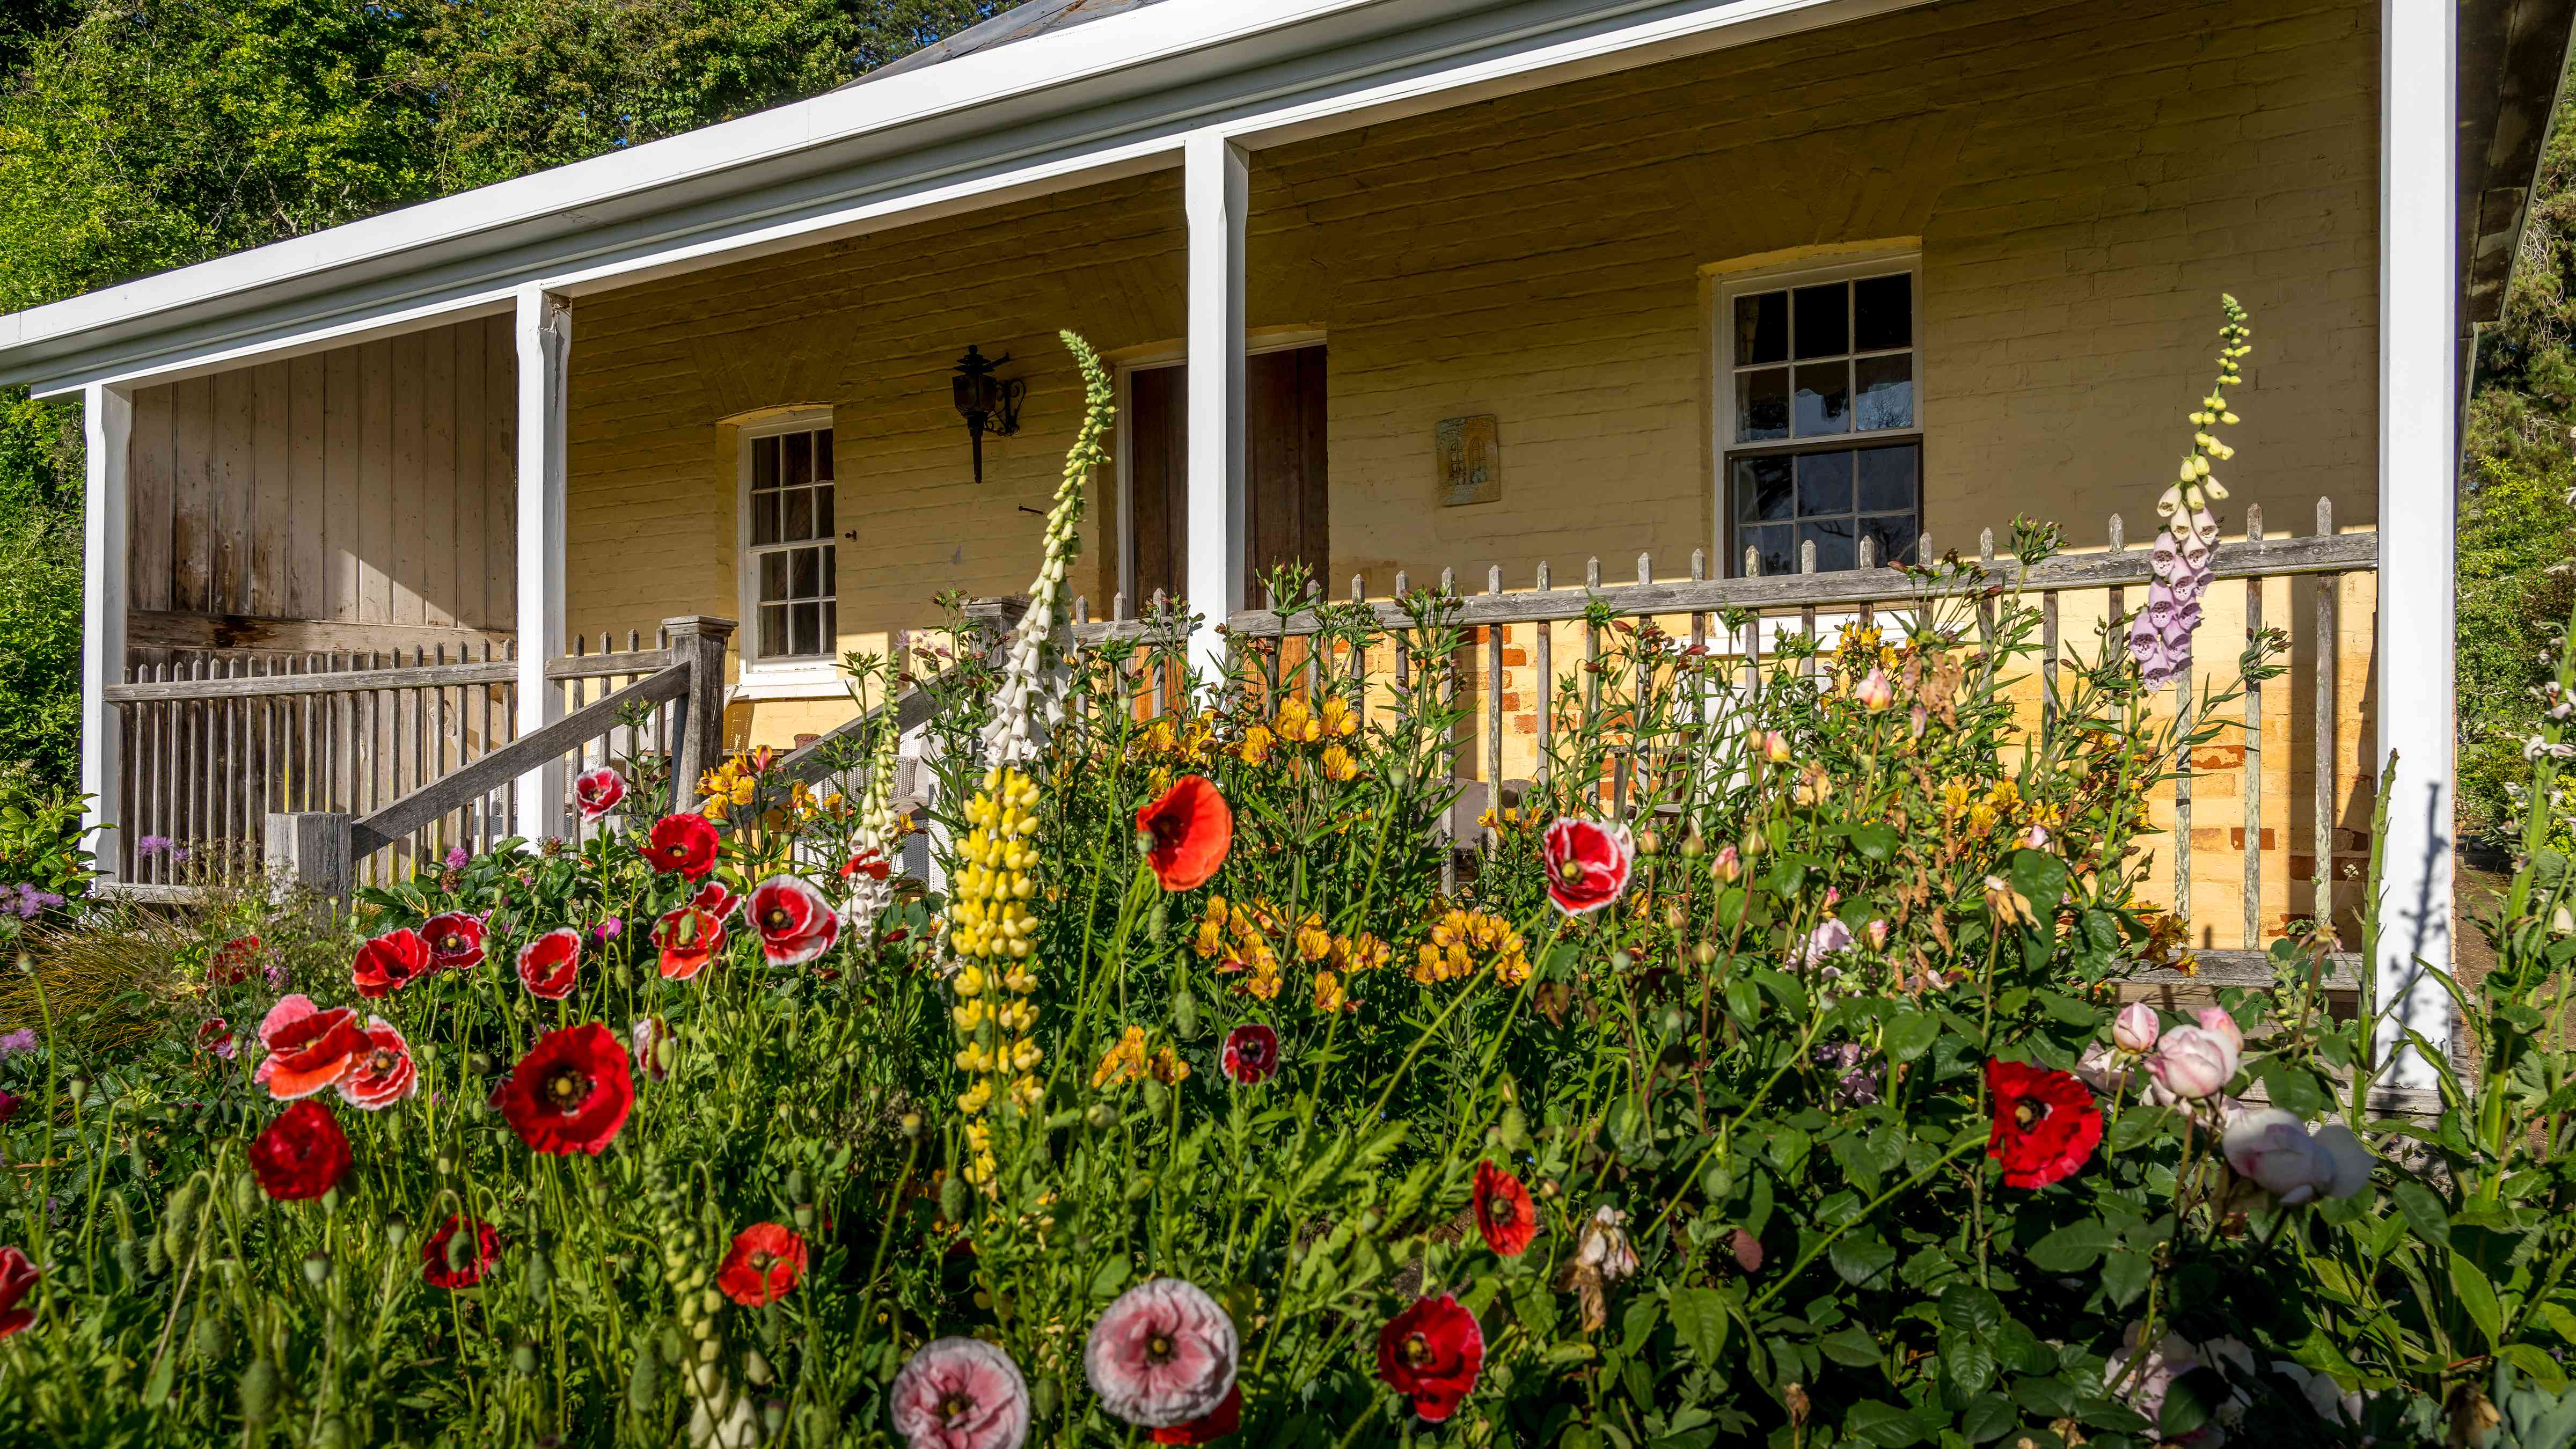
(773, 1416)
(330, 1202)
(460, 1250)
(331, 1434)
(666, 1054)
(910, 1125)
(397, 1228)
(1155, 1096)
(795, 1184)
(671, 1348)
(1515, 1129)
(480, 1064)
(1672, 1021)
(952, 1198)
(538, 1275)
(129, 1260)
(1101, 1117)
(524, 1357)
(1185, 1014)
(1045, 1397)
(644, 1381)
(213, 1335)
(804, 1217)
(1139, 1187)
(317, 1269)
(1718, 1181)
(258, 1391)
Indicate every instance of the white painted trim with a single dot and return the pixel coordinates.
(767, 687)
(1065, 109)
(751, 669)
(543, 326)
(2418, 514)
(107, 425)
(1216, 197)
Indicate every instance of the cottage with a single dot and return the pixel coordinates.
(1681, 304)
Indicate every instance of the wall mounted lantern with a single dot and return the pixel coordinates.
(989, 404)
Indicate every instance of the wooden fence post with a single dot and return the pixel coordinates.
(310, 849)
(698, 641)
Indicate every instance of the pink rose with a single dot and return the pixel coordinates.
(2216, 1021)
(2136, 1028)
(960, 1393)
(2276, 1152)
(2191, 1062)
(1824, 941)
(1874, 693)
(1163, 1354)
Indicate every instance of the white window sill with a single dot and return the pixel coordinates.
(791, 684)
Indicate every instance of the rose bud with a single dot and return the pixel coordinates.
(1728, 867)
(2136, 1028)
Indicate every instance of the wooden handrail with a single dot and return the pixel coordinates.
(374, 832)
(423, 676)
(809, 763)
(1847, 588)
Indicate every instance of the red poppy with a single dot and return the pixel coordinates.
(2046, 1123)
(1504, 1212)
(688, 938)
(597, 792)
(301, 1155)
(383, 1074)
(714, 899)
(685, 844)
(796, 924)
(307, 1049)
(550, 965)
(571, 1092)
(1587, 863)
(10, 1102)
(469, 1269)
(1251, 1054)
(1186, 833)
(231, 963)
(868, 863)
(216, 1036)
(1432, 1353)
(1209, 1427)
(389, 963)
(455, 941)
(763, 1266)
(18, 1278)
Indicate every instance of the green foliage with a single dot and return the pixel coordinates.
(139, 135)
(2517, 531)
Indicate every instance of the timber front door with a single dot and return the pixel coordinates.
(1285, 477)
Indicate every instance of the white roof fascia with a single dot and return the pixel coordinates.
(1108, 98)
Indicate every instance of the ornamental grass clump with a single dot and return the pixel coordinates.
(1765, 1074)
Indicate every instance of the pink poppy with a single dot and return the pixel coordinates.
(1163, 1354)
(598, 792)
(383, 1074)
(960, 1393)
(550, 964)
(796, 924)
(308, 1049)
(1587, 863)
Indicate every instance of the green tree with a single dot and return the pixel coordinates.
(139, 135)
(2517, 528)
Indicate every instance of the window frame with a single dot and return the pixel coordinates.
(824, 668)
(1728, 399)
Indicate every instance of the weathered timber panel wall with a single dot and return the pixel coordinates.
(368, 485)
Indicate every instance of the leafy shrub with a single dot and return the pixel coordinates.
(45, 864)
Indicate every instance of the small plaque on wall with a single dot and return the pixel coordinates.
(1469, 454)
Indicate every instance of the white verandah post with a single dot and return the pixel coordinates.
(1216, 192)
(108, 424)
(544, 346)
(2418, 462)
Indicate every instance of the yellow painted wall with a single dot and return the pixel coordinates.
(2083, 180)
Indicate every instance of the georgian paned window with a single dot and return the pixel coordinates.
(1824, 441)
(788, 550)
